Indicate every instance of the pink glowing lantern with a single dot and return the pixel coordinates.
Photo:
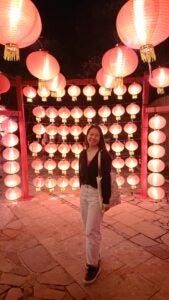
(156, 151)
(10, 140)
(62, 182)
(89, 113)
(76, 148)
(107, 146)
(50, 165)
(118, 164)
(13, 193)
(9, 126)
(29, 92)
(51, 130)
(120, 181)
(120, 90)
(56, 83)
(89, 91)
(156, 179)
(131, 146)
(156, 193)
(50, 183)
(38, 183)
(133, 180)
(105, 80)
(74, 182)
(159, 79)
(131, 163)
(74, 91)
(85, 128)
(63, 165)
(39, 130)
(60, 93)
(12, 180)
(157, 137)
(156, 165)
(64, 149)
(2, 117)
(133, 109)
(35, 148)
(75, 165)
(115, 129)
(39, 113)
(63, 130)
(117, 147)
(104, 112)
(104, 128)
(76, 113)
(76, 131)
(134, 89)
(10, 153)
(105, 92)
(4, 83)
(130, 128)
(37, 165)
(51, 149)
(64, 113)
(118, 110)
(51, 113)
(157, 122)
(43, 92)
(11, 167)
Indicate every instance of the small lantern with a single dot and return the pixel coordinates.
(117, 147)
(9, 126)
(35, 148)
(74, 182)
(75, 130)
(64, 148)
(157, 137)
(29, 92)
(120, 90)
(60, 93)
(63, 165)
(105, 80)
(10, 140)
(63, 130)
(104, 112)
(74, 91)
(133, 180)
(12, 180)
(156, 192)
(62, 182)
(75, 165)
(131, 162)
(118, 164)
(39, 183)
(37, 165)
(13, 193)
(130, 128)
(85, 129)
(157, 122)
(76, 149)
(156, 165)
(39, 113)
(10, 153)
(131, 146)
(156, 179)
(51, 130)
(89, 91)
(50, 183)
(11, 167)
(133, 109)
(115, 129)
(105, 92)
(43, 92)
(134, 89)
(39, 130)
(89, 113)
(50, 165)
(51, 148)
(56, 83)
(76, 113)
(51, 113)
(156, 151)
(64, 113)
(159, 78)
(104, 128)
(118, 110)
(120, 181)
(4, 83)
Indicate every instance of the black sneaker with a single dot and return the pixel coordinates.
(92, 273)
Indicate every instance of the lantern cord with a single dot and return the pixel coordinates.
(150, 69)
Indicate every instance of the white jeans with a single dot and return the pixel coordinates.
(91, 217)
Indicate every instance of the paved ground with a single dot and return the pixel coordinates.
(42, 250)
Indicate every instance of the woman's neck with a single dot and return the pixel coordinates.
(93, 148)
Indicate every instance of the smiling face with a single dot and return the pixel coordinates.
(93, 137)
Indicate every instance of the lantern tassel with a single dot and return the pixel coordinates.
(147, 53)
(11, 52)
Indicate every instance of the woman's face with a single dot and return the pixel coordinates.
(93, 137)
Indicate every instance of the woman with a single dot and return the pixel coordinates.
(91, 211)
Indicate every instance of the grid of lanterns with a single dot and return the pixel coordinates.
(156, 151)
(11, 155)
(58, 142)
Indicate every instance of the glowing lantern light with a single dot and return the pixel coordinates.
(2, 117)
(43, 92)
(62, 182)
(60, 93)
(63, 165)
(143, 25)
(39, 113)
(133, 180)
(50, 165)
(131, 146)
(105, 92)
(39, 183)
(130, 128)
(50, 183)
(51, 148)
(104, 112)
(118, 110)
(115, 129)
(35, 148)
(64, 148)
(39, 130)
(63, 130)
(131, 163)
(9, 126)
(75, 130)
(74, 182)
(29, 92)
(156, 193)
(134, 89)
(157, 122)
(20, 26)
(156, 165)
(107, 146)
(12, 180)
(76, 113)
(105, 80)
(76, 148)
(51, 113)
(42, 65)
(13, 193)
(58, 82)
(118, 164)
(156, 179)
(51, 130)
(85, 129)
(10, 140)
(64, 113)
(120, 181)
(4, 83)
(75, 165)
(117, 147)
(10, 153)
(89, 91)
(133, 109)
(120, 90)
(157, 137)
(11, 167)
(37, 165)
(74, 91)
(104, 128)
(89, 113)
(159, 79)
(156, 151)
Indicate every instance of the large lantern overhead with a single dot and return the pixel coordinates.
(143, 24)
(20, 26)
(4, 83)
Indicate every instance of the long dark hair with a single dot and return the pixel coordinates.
(101, 143)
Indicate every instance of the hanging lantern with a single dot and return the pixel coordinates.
(115, 129)
(143, 25)
(56, 83)
(104, 112)
(104, 128)
(9, 126)
(133, 180)
(118, 164)
(89, 113)
(51, 113)
(76, 113)
(4, 83)
(75, 165)
(63, 130)
(85, 129)
(120, 181)
(131, 146)
(29, 92)
(50, 165)
(10, 153)
(105, 80)
(50, 183)
(105, 92)
(74, 182)
(64, 113)
(12, 180)
(37, 165)
(130, 128)
(51, 130)
(20, 26)
(51, 148)
(133, 109)
(11, 167)
(63, 165)
(60, 93)
(156, 193)
(159, 78)
(156, 179)
(13, 193)
(10, 140)
(157, 137)
(64, 148)
(75, 130)
(120, 90)
(131, 162)
(157, 122)
(89, 91)
(156, 151)
(43, 92)
(62, 182)
(134, 89)
(117, 147)
(2, 117)
(118, 110)
(42, 65)
(35, 148)
(156, 165)
(39, 183)
(39, 130)
(107, 146)
(39, 113)
(74, 91)
(76, 148)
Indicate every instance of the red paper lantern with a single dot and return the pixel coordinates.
(64, 113)
(105, 80)
(104, 112)
(133, 109)
(117, 147)
(43, 92)
(10, 140)
(13, 193)
(156, 193)
(130, 128)
(157, 122)
(75, 165)
(11, 167)
(51, 113)
(159, 79)
(75, 130)
(50, 183)
(74, 182)
(4, 83)
(74, 91)
(35, 148)
(120, 90)
(64, 148)
(115, 129)
(29, 92)
(118, 110)
(134, 89)
(131, 163)
(156, 165)
(39, 129)
(63, 165)
(133, 180)
(156, 151)
(51, 130)
(12, 180)
(56, 83)
(37, 165)
(156, 179)
(76, 149)
(51, 148)
(63, 130)
(9, 126)
(118, 164)
(131, 146)
(76, 113)
(120, 180)
(89, 91)
(89, 113)
(105, 92)
(39, 183)
(62, 182)
(104, 128)
(39, 113)
(50, 165)
(157, 137)
(10, 153)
